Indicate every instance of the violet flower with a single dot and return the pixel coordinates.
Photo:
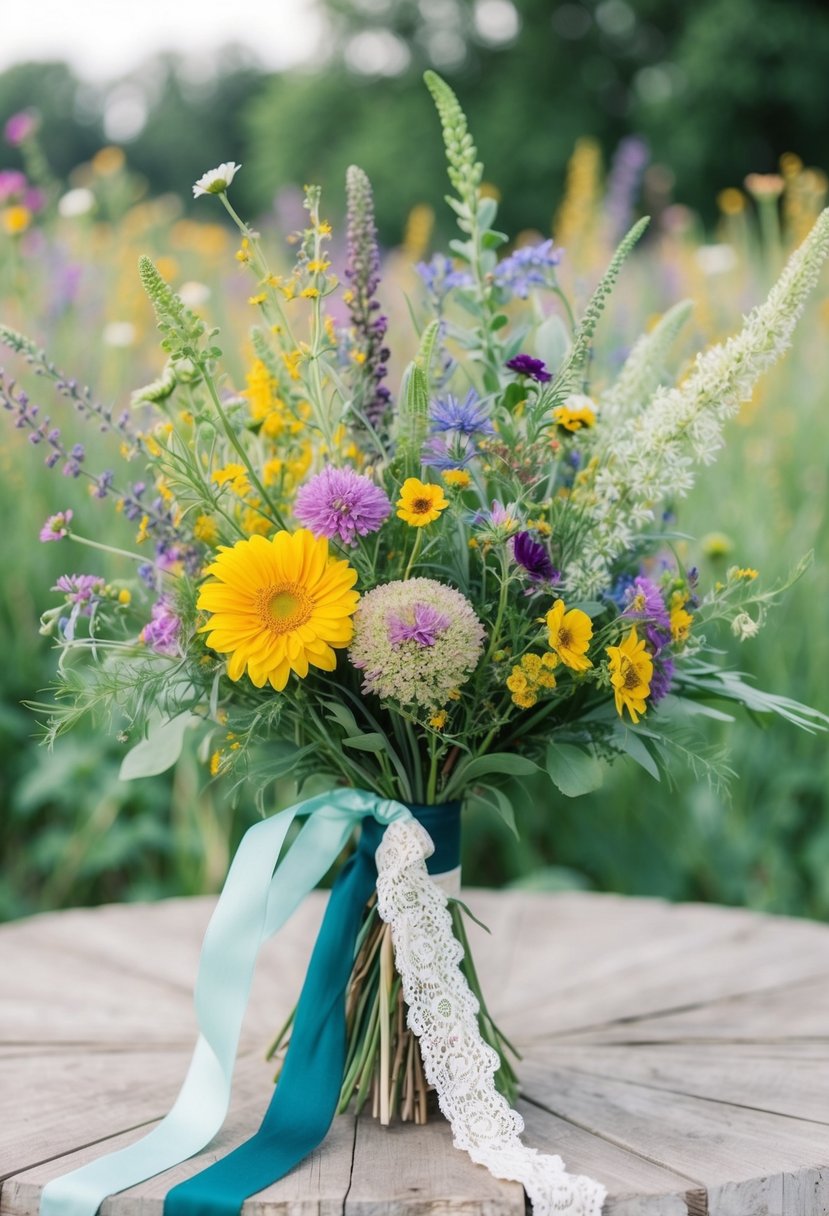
(533, 556)
(161, 633)
(425, 628)
(526, 365)
(56, 526)
(20, 127)
(341, 503)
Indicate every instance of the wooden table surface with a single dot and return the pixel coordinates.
(678, 1053)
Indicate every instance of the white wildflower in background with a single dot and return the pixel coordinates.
(644, 368)
(744, 626)
(76, 202)
(119, 333)
(650, 457)
(216, 181)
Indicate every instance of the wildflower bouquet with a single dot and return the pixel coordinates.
(397, 603)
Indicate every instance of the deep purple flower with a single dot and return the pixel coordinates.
(533, 556)
(425, 628)
(662, 678)
(56, 526)
(162, 631)
(20, 127)
(468, 417)
(526, 365)
(341, 503)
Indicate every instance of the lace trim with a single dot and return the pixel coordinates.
(443, 1015)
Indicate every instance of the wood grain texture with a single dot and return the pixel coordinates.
(679, 1053)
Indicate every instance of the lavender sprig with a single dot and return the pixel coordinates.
(371, 397)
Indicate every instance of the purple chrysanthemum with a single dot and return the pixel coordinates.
(56, 526)
(468, 417)
(410, 670)
(341, 503)
(533, 556)
(425, 627)
(526, 365)
(161, 633)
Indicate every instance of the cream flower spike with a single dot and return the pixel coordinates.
(216, 181)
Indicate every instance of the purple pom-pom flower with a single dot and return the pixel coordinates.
(526, 365)
(341, 503)
(425, 628)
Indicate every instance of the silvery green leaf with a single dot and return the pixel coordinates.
(573, 770)
(160, 750)
(552, 342)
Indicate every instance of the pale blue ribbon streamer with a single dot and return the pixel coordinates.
(257, 899)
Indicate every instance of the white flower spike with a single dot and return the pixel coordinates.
(216, 181)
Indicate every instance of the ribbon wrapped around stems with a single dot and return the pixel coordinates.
(259, 895)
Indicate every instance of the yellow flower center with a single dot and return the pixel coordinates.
(629, 674)
(284, 608)
(565, 639)
(421, 506)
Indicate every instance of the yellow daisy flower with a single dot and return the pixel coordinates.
(576, 413)
(570, 634)
(631, 672)
(420, 503)
(278, 606)
(459, 478)
(681, 622)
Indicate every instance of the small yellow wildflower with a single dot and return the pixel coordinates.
(108, 160)
(545, 679)
(258, 299)
(348, 296)
(550, 660)
(458, 478)
(151, 444)
(186, 417)
(716, 544)
(747, 573)
(272, 471)
(288, 290)
(124, 596)
(243, 254)
(439, 720)
(126, 450)
(215, 763)
(569, 635)
(292, 360)
(16, 220)
(531, 664)
(205, 530)
(309, 293)
(517, 680)
(359, 357)
(454, 694)
(681, 622)
(541, 526)
(420, 503)
(575, 417)
(234, 475)
(324, 228)
(731, 201)
(318, 266)
(143, 530)
(631, 672)
(525, 700)
(254, 523)
(164, 491)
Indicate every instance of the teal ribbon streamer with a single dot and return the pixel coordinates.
(257, 899)
(305, 1100)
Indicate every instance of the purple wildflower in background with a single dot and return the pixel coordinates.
(450, 451)
(13, 184)
(341, 503)
(623, 183)
(56, 526)
(526, 365)
(527, 267)
(20, 127)
(425, 628)
(161, 633)
(440, 277)
(533, 556)
(468, 417)
(645, 602)
(662, 678)
(372, 397)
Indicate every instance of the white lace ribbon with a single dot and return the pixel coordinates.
(443, 1015)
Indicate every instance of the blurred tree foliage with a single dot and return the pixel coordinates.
(720, 88)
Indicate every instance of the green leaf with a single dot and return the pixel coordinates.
(492, 799)
(493, 239)
(159, 751)
(573, 770)
(370, 742)
(499, 762)
(499, 322)
(633, 745)
(342, 716)
(487, 210)
(552, 341)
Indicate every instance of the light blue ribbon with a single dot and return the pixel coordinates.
(258, 897)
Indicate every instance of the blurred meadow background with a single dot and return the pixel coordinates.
(709, 117)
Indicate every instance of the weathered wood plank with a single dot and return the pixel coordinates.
(786, 1083)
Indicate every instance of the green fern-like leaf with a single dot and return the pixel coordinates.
(182, 329)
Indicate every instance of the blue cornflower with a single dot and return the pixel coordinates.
(469, 417)
(529, 266)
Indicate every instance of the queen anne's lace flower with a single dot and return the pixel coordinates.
(415, 642)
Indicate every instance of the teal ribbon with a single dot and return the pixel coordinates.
(305, 1101)
(258, 897)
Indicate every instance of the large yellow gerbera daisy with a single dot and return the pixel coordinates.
(278, 606)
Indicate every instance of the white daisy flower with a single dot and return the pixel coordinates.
(215, 181)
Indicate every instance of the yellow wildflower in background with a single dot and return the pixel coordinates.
(745, 573)
(143, 530)
(458, 478)
(569, 635)
(16, 220)
(439, 720)
(124, 596)
(420, 503)
(631, 672)
(234, 475)
(681, 622)
(278, 606)
(205, 530)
